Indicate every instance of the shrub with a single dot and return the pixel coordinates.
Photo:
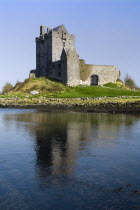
(129, 82)
(7, 88)
(119, 80)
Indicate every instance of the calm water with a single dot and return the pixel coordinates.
(68, 160)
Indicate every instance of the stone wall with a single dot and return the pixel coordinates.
(64, 76)
(32, 73)
(61, 39)
(47, 52)
(39, 56)
(57, 47)
(105, 73)
(85, 70)
(73, 74)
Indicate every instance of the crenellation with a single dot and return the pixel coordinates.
(42, 30)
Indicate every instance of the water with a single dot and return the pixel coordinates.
(68, 160)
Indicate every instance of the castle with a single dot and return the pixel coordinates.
(56, 57)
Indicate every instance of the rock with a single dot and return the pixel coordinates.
(34, 92)
(136, 191)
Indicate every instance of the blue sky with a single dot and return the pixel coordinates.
(107, 32)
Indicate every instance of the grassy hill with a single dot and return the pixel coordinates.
(43, 85)
(52, 88)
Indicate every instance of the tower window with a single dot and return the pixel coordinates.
(59, 65)
(63, 44)
(59, 74)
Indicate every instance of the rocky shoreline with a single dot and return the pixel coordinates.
(99, 105)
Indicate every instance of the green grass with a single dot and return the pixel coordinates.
(52, 88)
(112, 85)
(95, 91)
(118, 85)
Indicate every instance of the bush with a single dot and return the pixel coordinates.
(129, 82)
(7, 88)
(119, 80)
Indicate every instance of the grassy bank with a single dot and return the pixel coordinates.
(95, 91)
(54, 89)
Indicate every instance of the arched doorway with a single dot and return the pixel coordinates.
(94, 79)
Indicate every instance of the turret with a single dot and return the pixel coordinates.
(42, 30)
(48, 29)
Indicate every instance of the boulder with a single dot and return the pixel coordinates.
(34, 92)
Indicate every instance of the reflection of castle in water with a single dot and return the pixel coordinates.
(60, 136)
(58, 141)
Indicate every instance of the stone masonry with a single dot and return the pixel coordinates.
(57, 58)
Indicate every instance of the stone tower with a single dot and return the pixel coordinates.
(56, 56)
